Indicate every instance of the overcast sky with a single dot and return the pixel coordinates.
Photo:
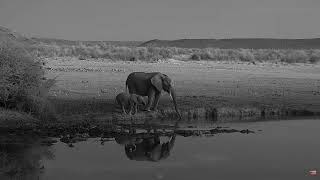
(162, 19)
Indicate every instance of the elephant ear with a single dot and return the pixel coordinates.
(156, 81)
(172, 83)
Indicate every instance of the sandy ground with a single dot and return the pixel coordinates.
(198, 84)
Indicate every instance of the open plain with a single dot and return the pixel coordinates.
(90, 86)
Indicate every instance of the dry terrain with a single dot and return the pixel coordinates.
(90, 86)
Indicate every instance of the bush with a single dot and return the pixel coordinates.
(315, 56)
(219, 54)
(295, 56)
(19, 74)
(142, 53)
(272, 55)
(165, 53)
(246, 55)
(39, 107)
(195, 57)
(20, 77)
(314, 59)
(206, 54)
(9, 118)
(104, 50)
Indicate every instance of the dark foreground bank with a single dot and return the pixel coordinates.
(249, 150)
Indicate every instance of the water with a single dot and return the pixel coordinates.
(277, 150)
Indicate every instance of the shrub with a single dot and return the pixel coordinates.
(9, 118)
(205, 54)
(195, 57)
(20, 77)
(82, 58)
(315, 56)
(314, 59)
(246, 55)
(142, 53)
(295, 56)
(39, 107)
(133, 59)
(165, 53)
(219, 54)
(272, 55)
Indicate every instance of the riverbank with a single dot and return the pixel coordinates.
(199, 85)
(217, 91)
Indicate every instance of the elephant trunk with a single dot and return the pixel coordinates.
(174, 99)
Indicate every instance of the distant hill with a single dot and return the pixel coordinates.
(6, 33)
(266, 43)
(237, 43)
(60, 42)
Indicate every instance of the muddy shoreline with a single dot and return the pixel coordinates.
(209, 108)
(98, 116)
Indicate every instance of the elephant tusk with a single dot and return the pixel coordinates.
(171, 96)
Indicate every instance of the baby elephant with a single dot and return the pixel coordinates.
(126, 100)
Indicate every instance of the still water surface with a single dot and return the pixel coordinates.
(277, 150)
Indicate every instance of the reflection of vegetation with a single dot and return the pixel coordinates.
(20, 157)
(210, 132)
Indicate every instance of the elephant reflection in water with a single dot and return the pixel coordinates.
(146, 146)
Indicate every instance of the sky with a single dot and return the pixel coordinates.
(143, 20)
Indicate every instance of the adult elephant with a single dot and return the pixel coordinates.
(151, 85)
(150, 149)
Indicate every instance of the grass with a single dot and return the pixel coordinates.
(211, 84)
(122, 53)
(10, 115)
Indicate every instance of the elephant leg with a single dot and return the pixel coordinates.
(155, 130)
(130, 111)
(135, 108)
(151, 95)
(156, 101)
(123, 109)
